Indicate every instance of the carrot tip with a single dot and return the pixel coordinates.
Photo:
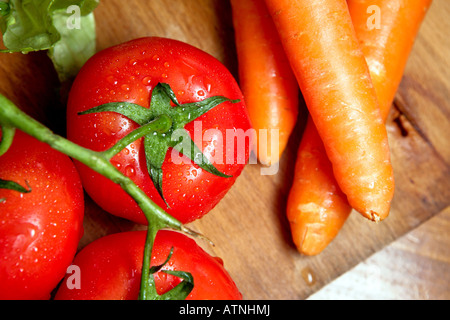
(374, 216)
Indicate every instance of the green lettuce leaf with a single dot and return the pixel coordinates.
(75, 47)
(66, 28)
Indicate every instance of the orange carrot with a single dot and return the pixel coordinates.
(321, 44)
(387, 48)
(268, 84)
(316, 208)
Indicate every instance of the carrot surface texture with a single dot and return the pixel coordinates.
(321, 45)
(317, 209)
(268, 84)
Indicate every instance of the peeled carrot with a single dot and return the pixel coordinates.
(316, 208)
(324, 53)
(268, 84)
(387, 49)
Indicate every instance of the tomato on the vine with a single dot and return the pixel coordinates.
(110, 267)
(130, 72)
(40, 226)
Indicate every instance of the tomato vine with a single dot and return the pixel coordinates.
(12, 118)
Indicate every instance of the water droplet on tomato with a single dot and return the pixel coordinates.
(132, 62)
(164, 75)
(201, 93)
(125, 87)
(166, 64)
(219, 260)
(111, 80)
(156, 57)
(129, 171)
(146, 81)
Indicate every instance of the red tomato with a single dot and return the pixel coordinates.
(39, 230)
(128, 72)
(110, 269)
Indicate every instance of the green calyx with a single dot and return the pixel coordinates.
(179, 292)
(157, 144)
(11, 185)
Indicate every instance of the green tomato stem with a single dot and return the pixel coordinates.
(161, 124)
(11, 117)
(148, 289)
(7, 138)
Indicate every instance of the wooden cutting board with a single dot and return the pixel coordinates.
(249, 226)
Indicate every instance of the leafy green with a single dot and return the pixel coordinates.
(66, 28)
(75, 47)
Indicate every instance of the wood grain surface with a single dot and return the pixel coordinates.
(249, 226)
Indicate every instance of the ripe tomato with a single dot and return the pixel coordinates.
(128, 73)
(110, 269)
(39, 230)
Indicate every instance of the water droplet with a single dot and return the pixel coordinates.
(125, 87)
(164, 75)
(156, 57)
(129, 171)
(112, 80)
(308, 276)
(201, 93)
(132, 62)
(166, 64)
(146, 81)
